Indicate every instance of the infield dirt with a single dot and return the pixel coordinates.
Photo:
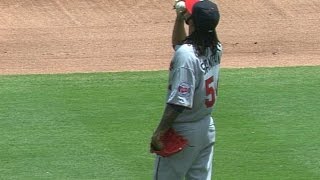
(56, 36)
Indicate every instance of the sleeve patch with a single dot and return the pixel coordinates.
(184, 89)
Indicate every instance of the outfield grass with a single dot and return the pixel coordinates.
(98, 126)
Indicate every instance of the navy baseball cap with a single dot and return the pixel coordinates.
(204, 13)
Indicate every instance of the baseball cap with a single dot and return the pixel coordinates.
(204, 13)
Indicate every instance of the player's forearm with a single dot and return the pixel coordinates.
(169, 115)
(179, 32)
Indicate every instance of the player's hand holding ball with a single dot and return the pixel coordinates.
(180, 7)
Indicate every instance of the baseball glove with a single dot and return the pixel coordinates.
(172, 143)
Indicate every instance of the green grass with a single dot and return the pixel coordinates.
(268, 124)
(98, 126)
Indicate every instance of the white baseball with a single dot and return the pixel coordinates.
(180, 6)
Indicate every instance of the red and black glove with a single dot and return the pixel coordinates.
(172, 143)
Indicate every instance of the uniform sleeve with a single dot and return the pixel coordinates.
(181, 82)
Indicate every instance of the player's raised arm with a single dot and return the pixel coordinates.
(179, 32)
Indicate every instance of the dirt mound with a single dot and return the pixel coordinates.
(55, 36)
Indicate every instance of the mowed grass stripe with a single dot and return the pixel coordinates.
(98, 126)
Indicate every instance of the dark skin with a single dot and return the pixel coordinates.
(179, 32)
(169, 115)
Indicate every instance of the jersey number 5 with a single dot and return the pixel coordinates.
(210, 93)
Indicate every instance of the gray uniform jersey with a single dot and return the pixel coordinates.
(193, 82)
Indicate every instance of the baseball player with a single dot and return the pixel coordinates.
(192, 93)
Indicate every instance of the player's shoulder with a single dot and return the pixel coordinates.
(183, 48)
(184, 56)
(185, 52)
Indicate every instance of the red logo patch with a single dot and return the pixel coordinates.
(184, 89)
